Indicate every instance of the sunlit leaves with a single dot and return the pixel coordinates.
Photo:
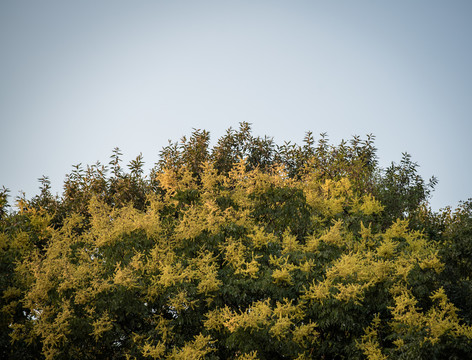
(243, 251)
(293, 267)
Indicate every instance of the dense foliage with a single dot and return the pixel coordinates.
(246, 250)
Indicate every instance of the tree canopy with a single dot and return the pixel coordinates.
(243, 250)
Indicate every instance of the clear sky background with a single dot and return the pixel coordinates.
(78, 78)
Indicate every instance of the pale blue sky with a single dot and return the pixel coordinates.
(78, 78)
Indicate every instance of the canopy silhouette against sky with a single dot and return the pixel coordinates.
(80, 78)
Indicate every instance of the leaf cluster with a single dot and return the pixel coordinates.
(247, 250)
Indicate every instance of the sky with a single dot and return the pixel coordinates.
(79, 78)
